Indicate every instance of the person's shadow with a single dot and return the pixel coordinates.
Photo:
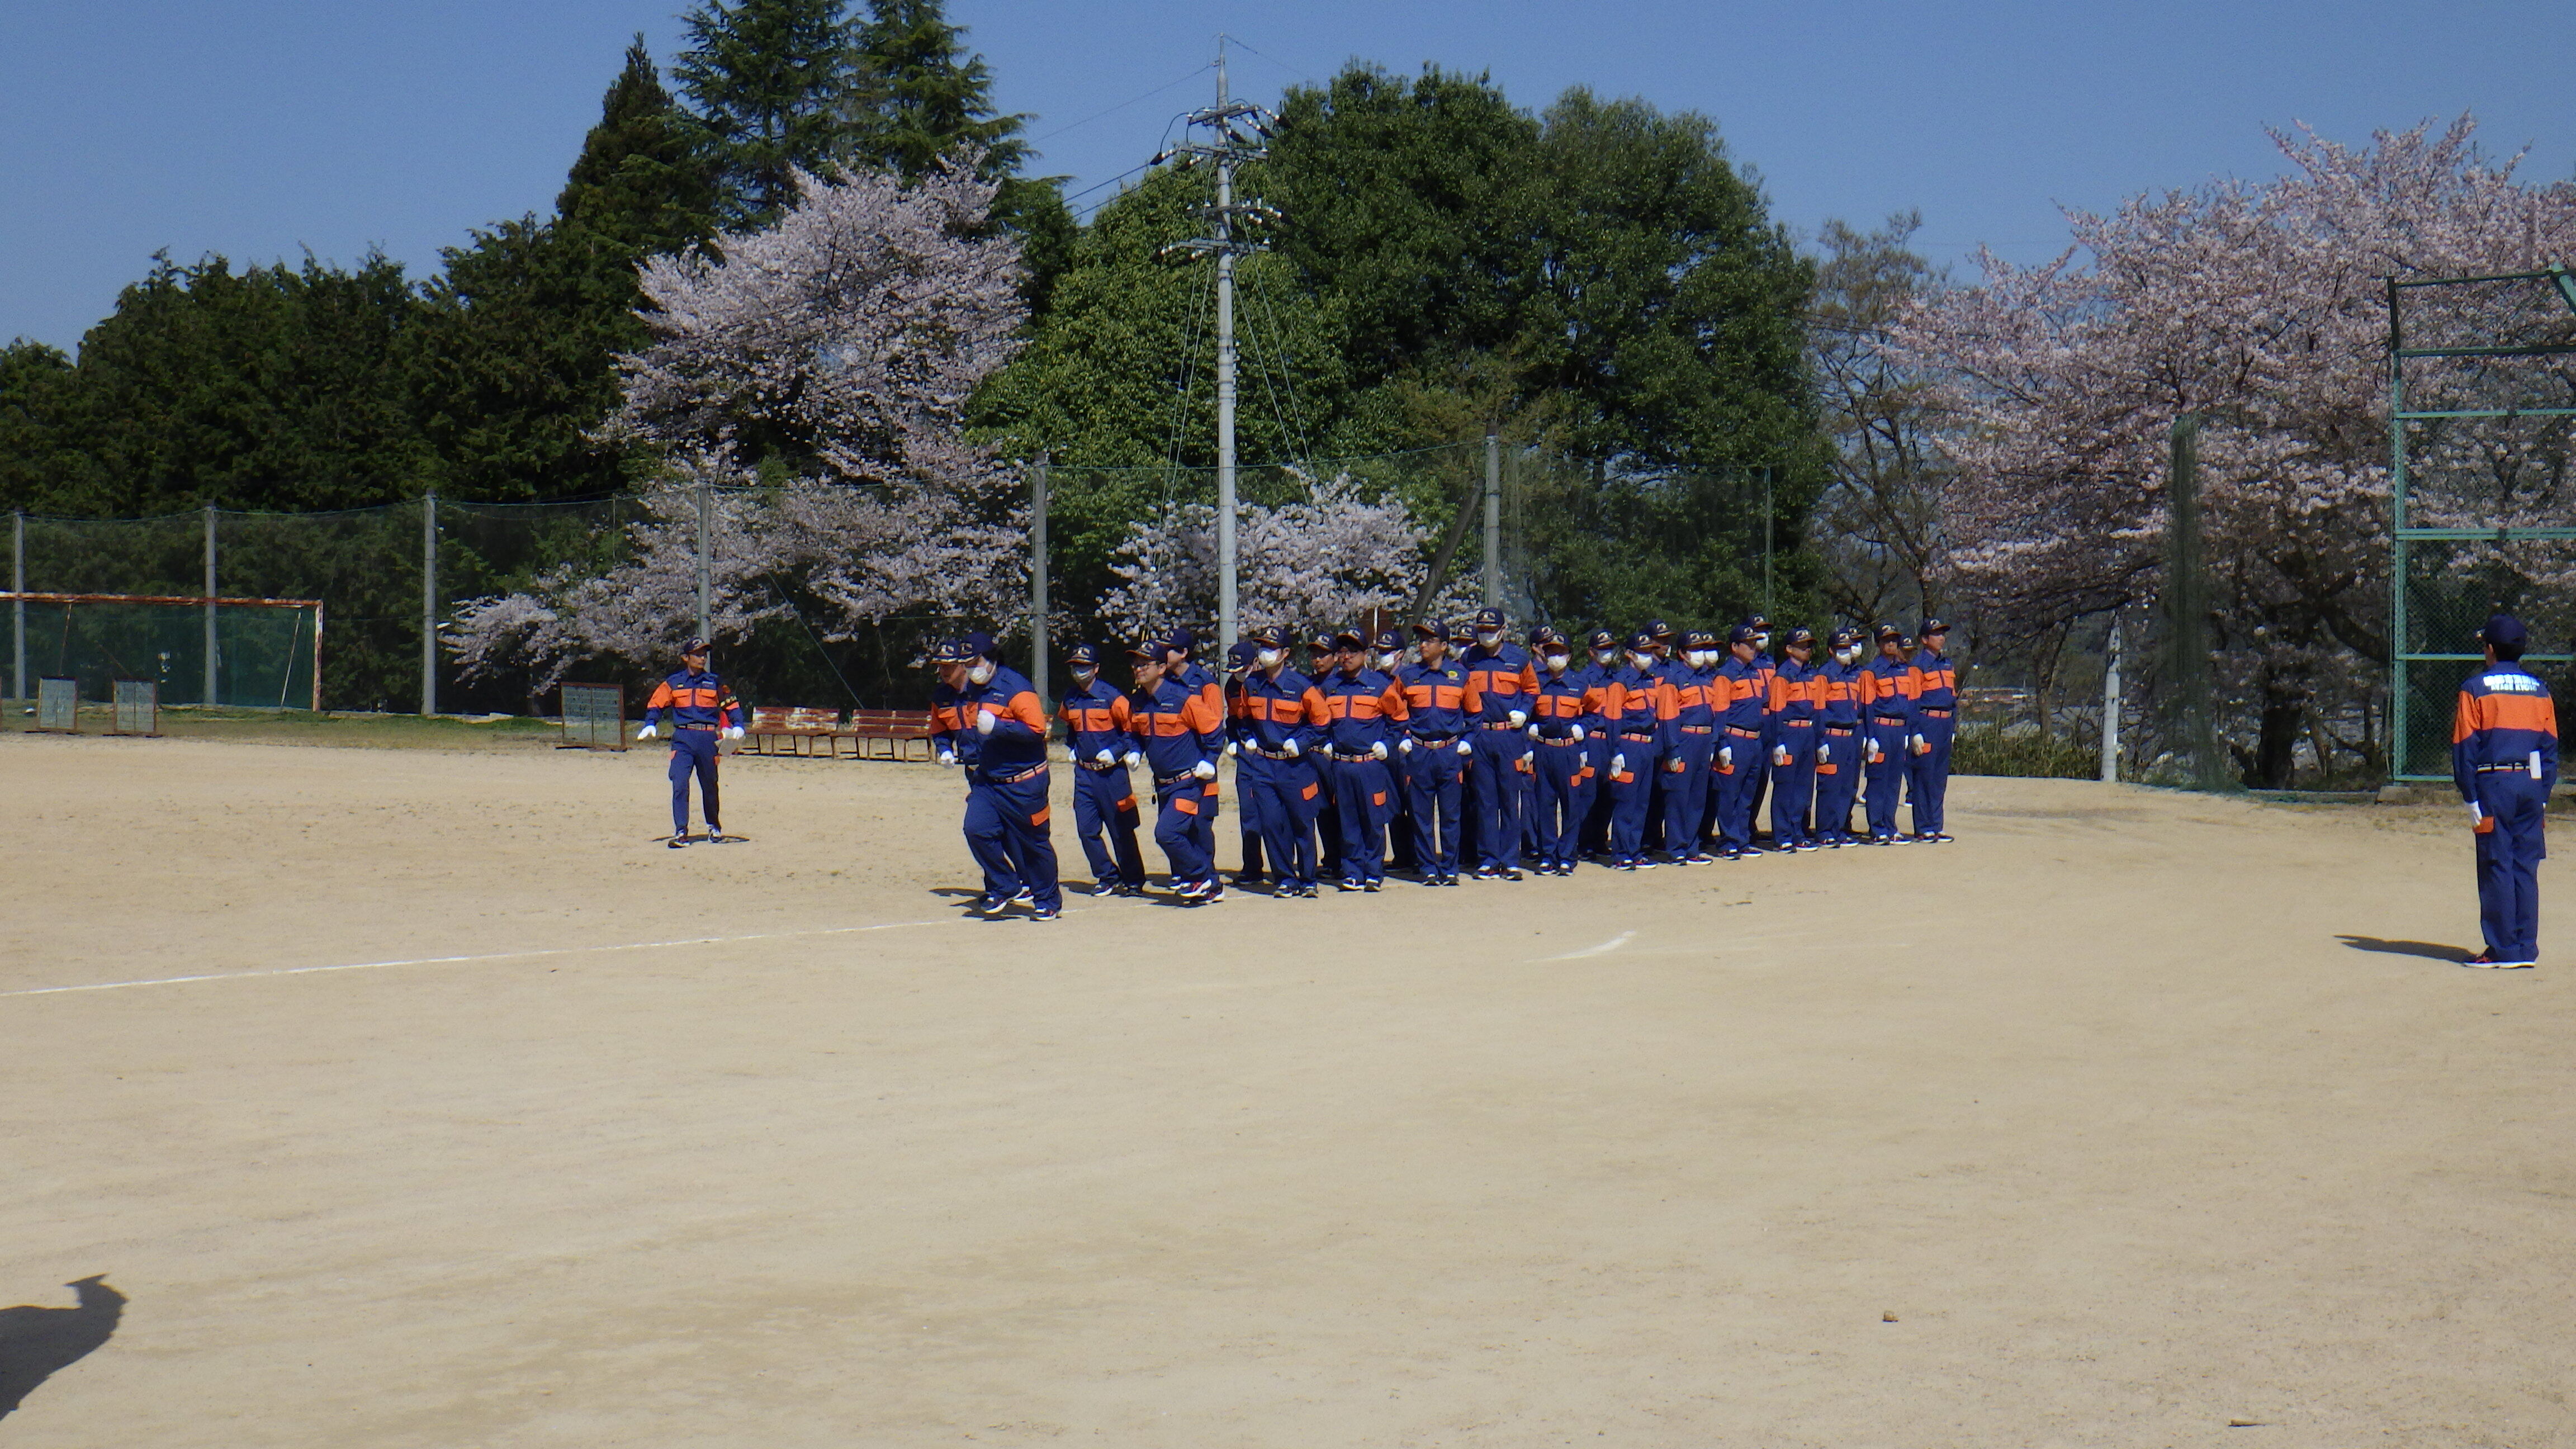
(2425, 949)
(36, 1341)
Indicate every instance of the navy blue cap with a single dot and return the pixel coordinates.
(1430, 629)
(1238, 655)
(1757, 623)
(1545, 634)
(1181, 639)
(1933, 626)
(2504, 631)
(1603, 639)
(1322, 643)
(694, 646)
(1699, 639)
(1845, 638)
(1657, 630)
(1743, 633)
(1270, 636)
(1083, 654)
(949, 651)
(1154, 647)
(1889, 631)
(1388, 639)
(1803, 635)
(1462, 631)
(1641, 641)
(1350, 639)
(1489, 618)
(978, 645)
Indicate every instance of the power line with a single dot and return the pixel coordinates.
(1122, 105)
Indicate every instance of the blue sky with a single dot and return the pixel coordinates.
(264, 128)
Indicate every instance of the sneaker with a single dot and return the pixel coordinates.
(1350, 884)
(1677, 858)
(1945, 838)
(986, 905)
(1487, 872)
(1806, 846)
(1623, 865)
(1510, 872)
(678, 842)
(1645, 862)
(1044, 913)
(1699, 857)
(1215, 894)
(1373, 887)
(1899, 840)
(1024, 895)
(1246, 880)
(1108, 888)
(2488, 961)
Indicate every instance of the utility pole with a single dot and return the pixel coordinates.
(18, 608)
(429, 605)
(1493, 520)
(1231, 143)
(211, 642)
(706, 528)
(1038, 579)
(2111, 697)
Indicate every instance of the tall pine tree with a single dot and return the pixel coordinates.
(770, 83)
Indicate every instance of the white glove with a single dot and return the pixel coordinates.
(1378, 750)
(1404, 746)
(1132, 759)
(1675, 767)
(985, 719)
(1230, 748)
(948, 757)
(1578, 732)
(1204, 769)
(1532, 731)
(733, 732)
(2477, 817)
(1780, 755)
(1726, 756)
(1520, 717)
(1288, 748)
(1104, 758)
(648, 732)
(1466, 746)
(1618, 764)
(1872, 753)
(1922, 746)
(1824, 753)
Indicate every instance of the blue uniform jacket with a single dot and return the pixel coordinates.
(1275, 711)
(2504, 723)
(1841, 703)
(695, 700)
(1361, 707)
(1175, 727)
(1435, 697)
(1095, 719)
(1019, 736)
(1748, 695)
(1936, 681)
(1564, 701)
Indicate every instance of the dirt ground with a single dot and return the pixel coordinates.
(2129, 1116)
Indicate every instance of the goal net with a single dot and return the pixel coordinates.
(250, 653)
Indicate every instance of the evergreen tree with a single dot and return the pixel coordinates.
(40, 471)
(517, 360)
(770, 83)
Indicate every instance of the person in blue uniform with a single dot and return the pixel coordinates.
(1663, 662)
(1741, 756)
(1104, 796)
(1196, 677)
(1278, 725)
(1936, 708)
(1247, 803)
(1322, 658)
(1500, 679)
(1887, 732)
(1793, 742)
(1431, 756)
(1636, 704)
(1601, 648)
(1764, 666)
(1689, 764)
(1838, 749)
(701, 712)
(1565, 715)
(1365, 709)
(1007, 781)
(1178, 734)
(2504, 759)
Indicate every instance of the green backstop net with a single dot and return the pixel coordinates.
(264, 653)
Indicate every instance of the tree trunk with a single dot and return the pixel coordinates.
(2276, 748)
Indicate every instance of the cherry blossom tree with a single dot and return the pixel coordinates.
(812, 376)
(2262, 309)
(1325, 559)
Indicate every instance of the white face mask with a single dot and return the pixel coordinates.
(1641, 661)
(1605, 657)
(1848, 656)
(1083, 676)
(981, 672)
(1556, 663)
(1761, 641)
(1488, 638)
(1270, 658)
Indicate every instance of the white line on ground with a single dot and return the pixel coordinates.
(1604, 949)
(495, 956)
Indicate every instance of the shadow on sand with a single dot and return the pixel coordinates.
(2425, 949)
(36, 1341)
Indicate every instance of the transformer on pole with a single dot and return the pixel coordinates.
(1236, 130)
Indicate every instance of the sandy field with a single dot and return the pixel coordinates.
(2131, 1116)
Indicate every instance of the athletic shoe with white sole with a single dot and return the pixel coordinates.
(2488, 961)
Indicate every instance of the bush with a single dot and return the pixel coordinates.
(1990, 750)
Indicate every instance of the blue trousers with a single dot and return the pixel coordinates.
(1928, 774)
(1105, 819)
(692, 752)
(1250, 823)
(1184, 815)
(1364, 794)
(1681, 796)
(1632, 797)
(1287, 797)
(1500, 789)
(1886, 777)
(1435, 785)
(1563, 776)
(1006, 828)
(2510, 850)
(1596, 811)
(1793, 785)
(1837, 782)
(1738, 782)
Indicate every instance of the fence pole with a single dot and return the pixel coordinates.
(1038, 579)
(429, 604)
(2186, 595)
(706, 525)
(18, 609)
(211, 646)
(2111, 704)
(1493, 520)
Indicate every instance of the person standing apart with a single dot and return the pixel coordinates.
(1362, 704)
(1178, 734)
(1793, 742)
(1565, 715)
(1096, 729)
(1838, 750)
(1500, 680)
(1936, 709)
(1279, 727)
(1006, 797)
(1636, 704)
(1432, 754)
(1887, 709)
(2504, 759)
(702, 712)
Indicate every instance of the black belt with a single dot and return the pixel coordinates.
(707, 729)
(1277, 754)
(1031, 773)
(1494, 724)
(2519, 767)
(1422, 739)
(1167, 783)
(1352, 759)
(1096, 767)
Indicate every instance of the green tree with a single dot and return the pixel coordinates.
(40, 470)
(516, 360)
(770, 83)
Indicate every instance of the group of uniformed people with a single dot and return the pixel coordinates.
(1465, 754)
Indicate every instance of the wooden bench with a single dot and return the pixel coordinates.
(791, 729)
(888, 734)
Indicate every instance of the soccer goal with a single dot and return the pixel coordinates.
(247, 653)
